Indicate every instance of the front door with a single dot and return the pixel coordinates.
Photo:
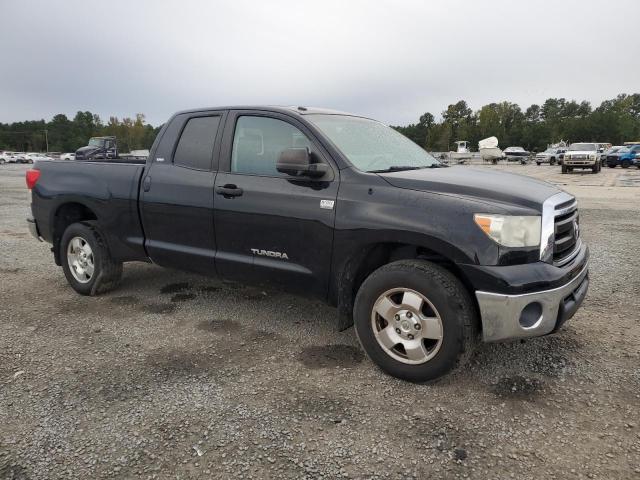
(271, 228)
(177, 194)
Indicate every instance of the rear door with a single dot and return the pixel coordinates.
(177, 193)
(271, 228)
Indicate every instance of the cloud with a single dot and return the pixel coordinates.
(391, 60)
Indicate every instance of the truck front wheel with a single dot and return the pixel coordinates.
(415, 320)
(86, 261)
(626, 163)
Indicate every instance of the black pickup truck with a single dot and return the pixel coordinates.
(423, 258)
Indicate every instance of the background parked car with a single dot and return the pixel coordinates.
(550, 156)
(625, 157)
(582, 155)
(8, 157)
(68, 156)
(21, 157)
(611, 153)
(33, 156)
(516, 154)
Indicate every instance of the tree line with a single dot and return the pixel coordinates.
(615, 121)
(65, 135)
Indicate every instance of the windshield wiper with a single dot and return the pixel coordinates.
(397, 168)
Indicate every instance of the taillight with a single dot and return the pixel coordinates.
(32, 177)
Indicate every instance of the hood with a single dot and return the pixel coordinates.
(485, 185)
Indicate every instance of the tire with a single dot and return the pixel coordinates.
(611, 165)
(564, 169)
(538, 163)
(105, 272)
(625, 164)
(594, 169)
(552, 161)
(1, 161)
(447, 310)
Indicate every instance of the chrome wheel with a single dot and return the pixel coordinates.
(80, 259)
(407, 326)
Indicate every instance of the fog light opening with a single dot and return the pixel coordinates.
(531, 315)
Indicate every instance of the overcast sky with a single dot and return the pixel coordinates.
(392, 60)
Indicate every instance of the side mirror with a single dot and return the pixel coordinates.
(297, 163)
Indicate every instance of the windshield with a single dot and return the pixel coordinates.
(550, 150)
(96, 142)
(583, 147)
(371, 146)
(624, 150)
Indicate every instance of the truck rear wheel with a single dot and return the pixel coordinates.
(415, 320)
(626, 163)
(86, 261)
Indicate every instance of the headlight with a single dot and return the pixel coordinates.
(592, 156)
(511, 231)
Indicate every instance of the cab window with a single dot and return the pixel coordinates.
(195, 147)
(258, 142)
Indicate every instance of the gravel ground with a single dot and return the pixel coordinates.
(179, 376)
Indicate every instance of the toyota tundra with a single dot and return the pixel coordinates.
(424, 259)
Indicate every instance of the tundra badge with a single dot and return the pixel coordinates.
(327, 204)
(269, 253)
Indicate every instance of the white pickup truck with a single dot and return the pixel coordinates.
(582, 155)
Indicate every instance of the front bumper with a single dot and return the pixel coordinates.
(532, 314)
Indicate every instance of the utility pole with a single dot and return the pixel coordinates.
(46, 139)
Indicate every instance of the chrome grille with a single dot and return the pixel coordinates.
(566, 233)
(560, 241)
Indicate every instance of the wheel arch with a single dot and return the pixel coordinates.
(373, 256)
(64, 215)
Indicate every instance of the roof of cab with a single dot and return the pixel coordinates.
(299, 110)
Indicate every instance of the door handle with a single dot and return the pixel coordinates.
(147, 184)
(229, 190)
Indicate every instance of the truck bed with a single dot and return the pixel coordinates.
(108, 188)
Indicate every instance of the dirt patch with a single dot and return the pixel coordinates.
(159, 308)
(518, 387)
(330, 356)
(9, 270)
(124, 300)
(219, 326)
(182, 297)
(178, 362)
(175, 287)
(208, 289)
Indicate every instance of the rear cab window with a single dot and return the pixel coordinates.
(195, 147)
